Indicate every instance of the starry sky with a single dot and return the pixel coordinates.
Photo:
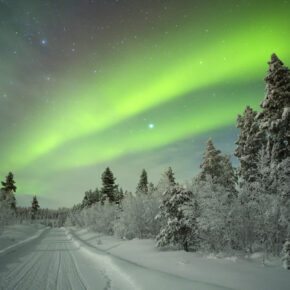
(129, 84)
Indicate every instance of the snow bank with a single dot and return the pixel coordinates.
(16, 235)
(231, 272)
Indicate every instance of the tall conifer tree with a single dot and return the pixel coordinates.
(109, 188)
(142, 186)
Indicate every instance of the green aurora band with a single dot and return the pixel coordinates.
(95, 107)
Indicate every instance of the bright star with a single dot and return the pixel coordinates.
(151, 126)
(43, 41)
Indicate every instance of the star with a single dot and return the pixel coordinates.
(43, 41)
(151, 126)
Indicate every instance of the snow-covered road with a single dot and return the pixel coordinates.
(56, 261)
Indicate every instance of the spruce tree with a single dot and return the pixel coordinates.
(180, 228)
(218, 168)
(151, 188)
(34, 207)
(211, 164)
(9, 184)
(142, 186)
(170, 176)
(275, 114)
(166, 181)
(250, 141)
(8, 189)
(108, 191)
(91, 198)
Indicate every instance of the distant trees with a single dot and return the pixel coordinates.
(34, 207)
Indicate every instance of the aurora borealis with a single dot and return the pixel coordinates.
(129, 84)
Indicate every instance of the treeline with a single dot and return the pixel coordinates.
(10, 213)
(222, 208)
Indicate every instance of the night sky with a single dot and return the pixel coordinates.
(128, 84)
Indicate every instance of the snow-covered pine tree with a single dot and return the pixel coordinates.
(166, 181)
(169, 173)
(34, 207)
(90, 198)
(119, 195)
(142, 186)
(180, 228)
(275, 115)
(250, 141)
(151, 188)
(211, 164)
(109, 188)
(286, 255)
(219, 168)
(8, 189)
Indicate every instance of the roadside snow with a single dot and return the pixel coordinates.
(17, 235)
(231, 272)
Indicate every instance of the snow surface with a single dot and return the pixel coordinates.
(35, 257)
(17, 235)
(253, 272)
(56, 259)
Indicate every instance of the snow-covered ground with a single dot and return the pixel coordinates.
(17, 235)
(34, 257)
(228, 272)
(56, 260)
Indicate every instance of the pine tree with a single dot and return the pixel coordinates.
(109, 188)
(91, 198)
(7, 191)
(169, 173)
(166, 181)
(250, 141)
(219, 168)
(151, 188)
(211, 164)
(119, 195)
(34, 207)
(179, 229)
(275, 115)
(9, 185)
(142, 186)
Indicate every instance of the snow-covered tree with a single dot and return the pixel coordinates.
(180, 228)
(166, 181)
(219, 168)
(286, 254)
(108, 191)
(137, 217)
(34, 207)
(142, 186)
(6, 215)
(6, 192)
(215, 221)
(275, 115)
(91, 197)
(250, 141)
(169, 173)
